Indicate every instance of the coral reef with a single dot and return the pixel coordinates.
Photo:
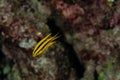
(88, 49)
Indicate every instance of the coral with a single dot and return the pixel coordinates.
(95, 34)
(89, 39)
(22, 25)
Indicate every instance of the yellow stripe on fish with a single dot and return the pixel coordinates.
(37, 45)
(44, 44)
(46, 47)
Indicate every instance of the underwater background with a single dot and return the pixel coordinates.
(88, 47)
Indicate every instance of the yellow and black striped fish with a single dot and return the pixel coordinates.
(44, 44)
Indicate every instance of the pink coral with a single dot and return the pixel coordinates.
(70, 13)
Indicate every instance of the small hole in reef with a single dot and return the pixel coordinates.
(39, 0)
(32, 10)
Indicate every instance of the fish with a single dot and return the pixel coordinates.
(44, 44)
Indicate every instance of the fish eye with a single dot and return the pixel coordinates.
(39, 34)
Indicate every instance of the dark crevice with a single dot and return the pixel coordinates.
(95, 75)
(73, 59)
(4, 61)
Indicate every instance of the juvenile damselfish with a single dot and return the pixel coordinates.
(44, 44)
